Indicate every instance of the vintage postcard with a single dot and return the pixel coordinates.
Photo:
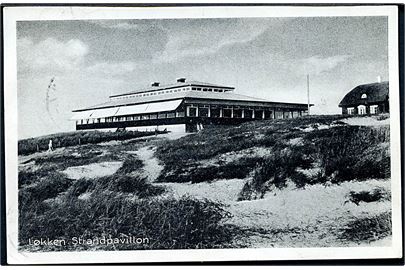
(201, 133)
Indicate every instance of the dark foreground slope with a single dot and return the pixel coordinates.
(82, 194)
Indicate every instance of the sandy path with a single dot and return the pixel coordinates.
(94, 170)
(366, 121)
(224, 191)
(305, 217)
(152, 167)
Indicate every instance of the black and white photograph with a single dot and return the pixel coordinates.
(158, 134)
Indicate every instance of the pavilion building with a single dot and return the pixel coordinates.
(192, 103)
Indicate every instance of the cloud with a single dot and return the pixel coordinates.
(117, 68)
(204, 39)
(316, 65)
(124, 25)
(50, 54)
(124, 40)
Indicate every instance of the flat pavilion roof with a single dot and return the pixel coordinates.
(174, 85)
(128, 110)
(225, 96)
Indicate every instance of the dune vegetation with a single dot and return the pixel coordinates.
(32, 145)
(300, 151)
(312, 181)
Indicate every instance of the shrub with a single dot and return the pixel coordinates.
(26, 178)
(203, 145)
(203, 174)
(367, 229)
(32, 145)
(31, 177)
(352, 152)
(376, 194)
(66, 159)
(277, 169)
(48, 187)
(269, 140)
(375, 162)
(248, 192)
(130, 165)
(383, 117)
(129, 184)
(79, 187)
(239, 168)
(180, 156)
(136, 184)
(168, 224)
(339, 153)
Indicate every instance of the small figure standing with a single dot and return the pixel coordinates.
(50, 147)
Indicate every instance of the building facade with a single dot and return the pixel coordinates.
(192, 103)
(366, 99)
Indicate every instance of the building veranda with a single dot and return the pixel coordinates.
(192, 103)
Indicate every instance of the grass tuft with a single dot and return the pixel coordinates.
(168, 224)
(368, 228)
(239, 169)
(48, 187)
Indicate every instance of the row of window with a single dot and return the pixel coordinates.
(172, 91)
(361, 109)
(202, 111)
(208, 89)
(241, 113)
(155, 93)
(131, 118)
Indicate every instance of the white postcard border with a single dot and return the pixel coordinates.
(14, 14)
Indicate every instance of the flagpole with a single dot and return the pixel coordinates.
(309, 106)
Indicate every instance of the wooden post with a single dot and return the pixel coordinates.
(37, 148)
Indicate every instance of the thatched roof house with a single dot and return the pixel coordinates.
(370, 98)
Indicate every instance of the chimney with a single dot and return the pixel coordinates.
(378, 79)
(181, 80)
(155, 84)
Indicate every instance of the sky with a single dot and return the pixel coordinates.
(262, 57)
